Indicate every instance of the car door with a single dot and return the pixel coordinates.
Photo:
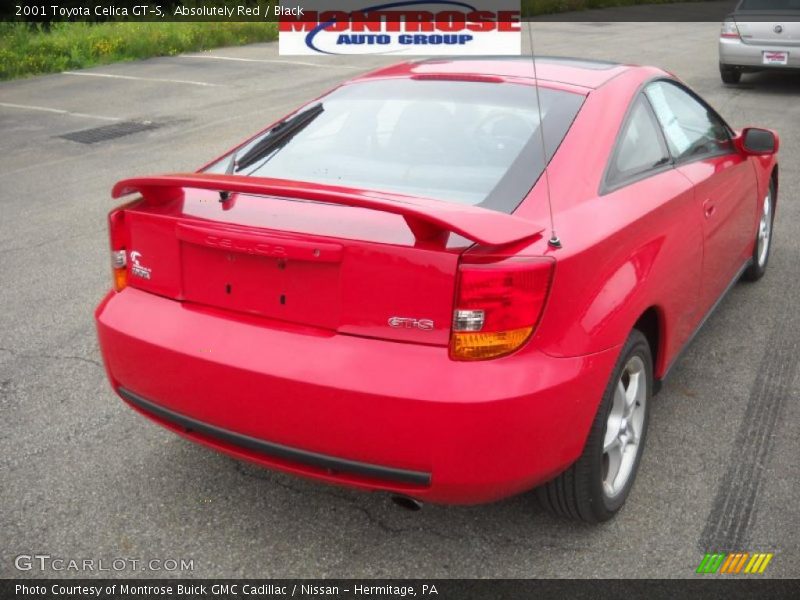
(657, 207)
(725, 183)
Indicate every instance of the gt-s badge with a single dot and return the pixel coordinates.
(410, 323)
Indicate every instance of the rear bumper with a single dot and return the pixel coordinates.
(362, 412)
(330, 464)
(734, 52)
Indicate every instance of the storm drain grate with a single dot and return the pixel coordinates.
(109, 132)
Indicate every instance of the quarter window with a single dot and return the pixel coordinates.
(692, 129)
(641, 147)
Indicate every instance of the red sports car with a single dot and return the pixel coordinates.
(451, 280)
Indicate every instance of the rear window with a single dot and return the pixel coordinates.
(466, 142)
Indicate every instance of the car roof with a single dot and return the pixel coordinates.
(578, 72)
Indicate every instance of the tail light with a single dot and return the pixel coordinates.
(729, 30)
(119, 252)
(498, 305)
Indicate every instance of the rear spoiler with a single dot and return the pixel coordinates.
(429, 220)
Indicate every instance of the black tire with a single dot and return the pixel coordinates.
(579, 493)
(730, 74)
(757, 267)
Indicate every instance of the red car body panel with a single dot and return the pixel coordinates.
(725, 187)
(315, 371)
(472, 426)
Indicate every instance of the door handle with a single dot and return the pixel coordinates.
(709, 207)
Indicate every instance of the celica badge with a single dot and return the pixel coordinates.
(136, 268)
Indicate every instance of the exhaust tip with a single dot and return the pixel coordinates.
(407, 503)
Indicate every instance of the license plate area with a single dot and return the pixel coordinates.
(775, 58)
(280, 288)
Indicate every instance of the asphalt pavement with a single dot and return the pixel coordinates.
(83, 476)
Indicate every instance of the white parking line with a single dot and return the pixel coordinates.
(58, 111)
(269, 61)
(131, 77)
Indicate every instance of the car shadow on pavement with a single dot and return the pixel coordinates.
(770, 82)
(366, 532)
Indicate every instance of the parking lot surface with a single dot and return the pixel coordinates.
(83, 476)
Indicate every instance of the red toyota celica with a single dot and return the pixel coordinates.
(446, 279)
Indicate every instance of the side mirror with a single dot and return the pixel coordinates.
(758, 142)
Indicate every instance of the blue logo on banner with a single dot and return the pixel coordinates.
(381, 39)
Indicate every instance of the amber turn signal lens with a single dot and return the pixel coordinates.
(480, 346)
(498, 304)
(120, 279)
(119, 260)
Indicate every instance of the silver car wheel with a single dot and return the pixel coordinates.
(624, 427)
(765, 231)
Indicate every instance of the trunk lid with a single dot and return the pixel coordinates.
(342, 262)
(770, 31)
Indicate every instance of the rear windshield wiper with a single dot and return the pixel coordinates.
(277, 137)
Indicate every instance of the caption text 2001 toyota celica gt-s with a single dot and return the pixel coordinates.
(440, 281)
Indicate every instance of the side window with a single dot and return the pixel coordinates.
(692, 129)
(641, 146)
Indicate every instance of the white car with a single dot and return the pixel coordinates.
(759, 34)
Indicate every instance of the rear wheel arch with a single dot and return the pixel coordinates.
(582, 491)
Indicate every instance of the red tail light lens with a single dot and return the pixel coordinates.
(729, 29)
(498, 305)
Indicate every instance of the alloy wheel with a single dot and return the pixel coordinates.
(765, 231)
(624, 427)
